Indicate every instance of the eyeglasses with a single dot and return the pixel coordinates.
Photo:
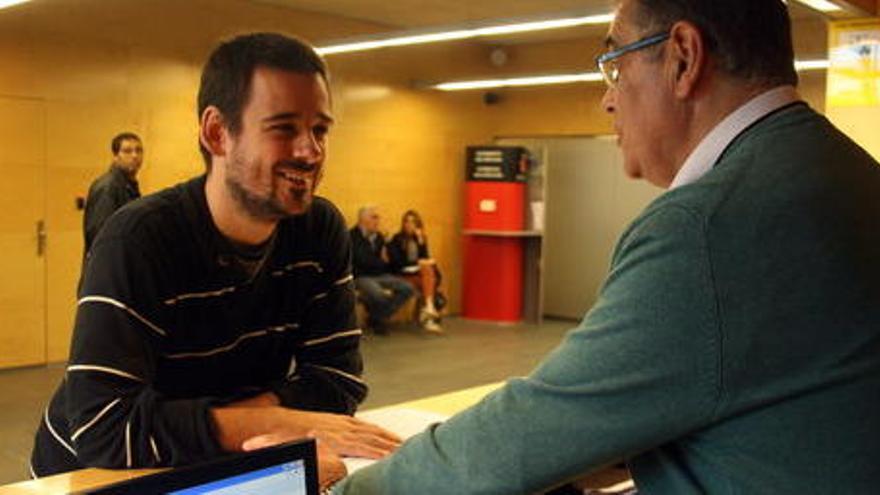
(607, 62)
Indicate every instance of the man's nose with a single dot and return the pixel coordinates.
(307, 147)
(608, 100)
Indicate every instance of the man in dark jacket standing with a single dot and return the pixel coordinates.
(382, 292)
(116, 187)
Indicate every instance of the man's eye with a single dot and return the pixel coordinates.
(320, 130)
(283, 128)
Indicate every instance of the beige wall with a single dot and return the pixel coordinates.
(394, 146)
(100, 68)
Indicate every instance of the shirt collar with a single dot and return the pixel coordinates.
(370, 236)
(704, 156)
(122, 173)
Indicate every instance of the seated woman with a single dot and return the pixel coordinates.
(408, 257)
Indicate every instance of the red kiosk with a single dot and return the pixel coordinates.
(495, 202)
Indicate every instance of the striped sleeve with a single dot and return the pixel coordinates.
(327, 371)
(114, 416)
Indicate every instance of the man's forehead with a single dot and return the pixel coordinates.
(620, 26)
(289, 94)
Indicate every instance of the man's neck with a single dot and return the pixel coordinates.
(124, 171)
(707, 111)
(234, 223)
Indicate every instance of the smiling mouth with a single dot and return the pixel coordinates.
(297, 179)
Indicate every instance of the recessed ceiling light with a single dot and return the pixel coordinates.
(803, 65)
(821, 5)
(10, 3)
(800, 65)
(402, 39)
(519, 81)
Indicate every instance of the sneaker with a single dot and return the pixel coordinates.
(426, 316)
(432, 326)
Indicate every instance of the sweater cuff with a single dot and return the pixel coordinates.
(194, 429)
(366, 481)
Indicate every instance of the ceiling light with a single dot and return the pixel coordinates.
(519, 81)
(801, 65)
(10, 3)
(821, 5)
(465, 33)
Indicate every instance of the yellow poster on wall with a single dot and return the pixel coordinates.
(854, 72)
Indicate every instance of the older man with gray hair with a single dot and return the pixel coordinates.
(735, 346)
(381, 291)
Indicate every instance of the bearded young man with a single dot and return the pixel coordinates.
(735, 346)
(217, 315)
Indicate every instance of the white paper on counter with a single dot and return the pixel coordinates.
(401, 421)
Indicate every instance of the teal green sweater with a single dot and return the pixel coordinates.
(734, 348)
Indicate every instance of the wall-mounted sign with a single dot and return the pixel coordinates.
(497, 163)
(854, 74)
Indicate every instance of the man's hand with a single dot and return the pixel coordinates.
(342, 434)
(330, 467)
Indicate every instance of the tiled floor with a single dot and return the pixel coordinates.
(407, 364)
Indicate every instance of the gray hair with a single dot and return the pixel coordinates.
(749, 39)
(365, 210)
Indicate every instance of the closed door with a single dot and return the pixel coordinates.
(22, 238)
(589, 202)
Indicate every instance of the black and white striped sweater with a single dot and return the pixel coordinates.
(168, 326)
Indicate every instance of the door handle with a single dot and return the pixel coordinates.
(41, 238)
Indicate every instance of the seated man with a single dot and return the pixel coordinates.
(381, 292)
(217, 315)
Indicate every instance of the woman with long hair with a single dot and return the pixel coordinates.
(409, 258)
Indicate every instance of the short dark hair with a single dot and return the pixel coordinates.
(116, 144)
(750, 39)
(227, 75)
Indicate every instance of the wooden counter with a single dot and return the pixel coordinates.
(446, 404)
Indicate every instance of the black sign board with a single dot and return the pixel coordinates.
(497, 163)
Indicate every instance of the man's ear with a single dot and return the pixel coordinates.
(687, 51)
(212, 131)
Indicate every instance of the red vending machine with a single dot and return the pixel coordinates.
(495, 199)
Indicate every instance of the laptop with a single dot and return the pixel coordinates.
(289, 469)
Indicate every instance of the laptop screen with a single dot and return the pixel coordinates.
(288, 478)
(288, 469)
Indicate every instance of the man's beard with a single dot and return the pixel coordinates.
(263, 207)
